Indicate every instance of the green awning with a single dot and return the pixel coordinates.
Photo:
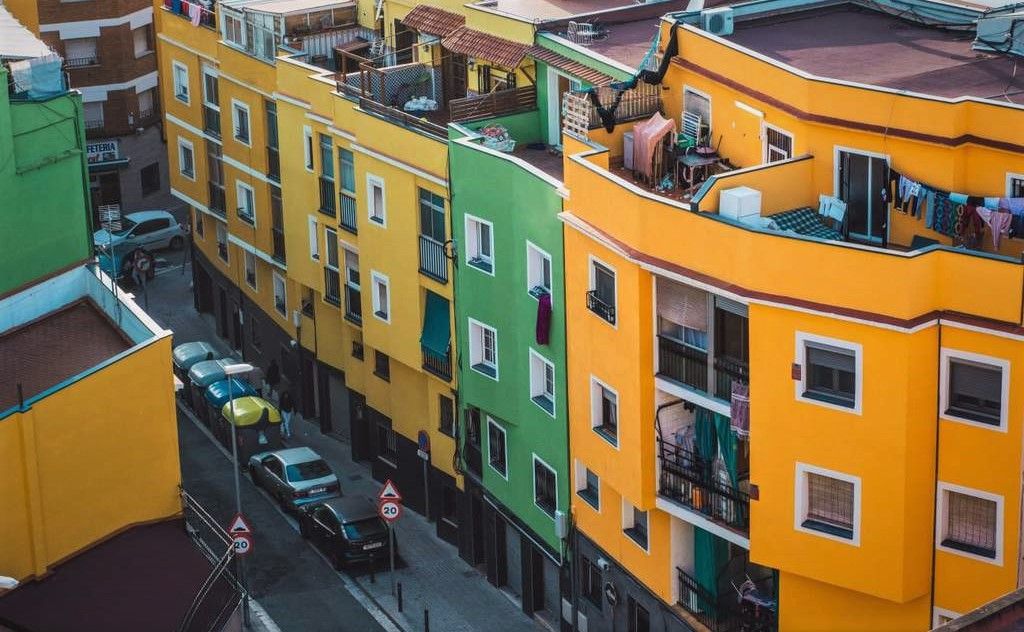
(437, 331)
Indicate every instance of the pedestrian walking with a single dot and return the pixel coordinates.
(273, 378)
(287, 407)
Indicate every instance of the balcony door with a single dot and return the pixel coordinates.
(861, 179)
(454, 71)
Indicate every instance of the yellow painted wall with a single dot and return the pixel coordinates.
(809, 606)
(66, 485)
(27, 12)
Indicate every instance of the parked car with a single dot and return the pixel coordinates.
(346, 529)
(294, 476)
(151, 229)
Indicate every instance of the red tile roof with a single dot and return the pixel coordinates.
(428, 19)
(497, 50)
(574, 68)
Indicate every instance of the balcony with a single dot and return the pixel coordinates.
(332, 286)
(207, 17)
(348, 212)
(691, 481)
(217, 202)
(277, 236)
(474, 459)
(82, 62)
(274, 164)
(353, 307)
(441, 366)
(599, 307)
(327, 206)
(743, 604)
(688, 366)
(211, 121)
(433, 262)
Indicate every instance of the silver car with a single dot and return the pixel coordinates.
(294, 477)
(149, 229)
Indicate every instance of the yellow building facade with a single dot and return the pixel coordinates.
(872, 502)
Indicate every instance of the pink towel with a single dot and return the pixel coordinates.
(195, 13)
(999, 222)
(739, 409)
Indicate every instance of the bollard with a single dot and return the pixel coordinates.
(426, 620)
(399, 596)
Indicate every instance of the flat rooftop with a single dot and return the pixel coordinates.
(627, 42)
(545, 10)
(54, 347)
(856, 44)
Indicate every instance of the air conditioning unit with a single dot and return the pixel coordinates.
(717, 21)
(740, 203)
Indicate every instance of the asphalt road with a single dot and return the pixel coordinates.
(292, 582)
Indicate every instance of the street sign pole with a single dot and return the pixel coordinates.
(389, 508)
(391, 545)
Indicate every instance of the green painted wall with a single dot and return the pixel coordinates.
(524, 127)
(521, 206)
(44, 212)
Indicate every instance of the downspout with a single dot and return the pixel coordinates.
(935, 474)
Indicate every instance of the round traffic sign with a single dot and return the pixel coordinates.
(242, 543)
(390, 510)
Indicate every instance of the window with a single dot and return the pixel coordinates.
(447, 415)
(634, 524)
(375, 200)
(358, 351)
(246, 202)
(332, 275)
(638, 619)
(141, 40)
(240, 121)
(180, 73)
(93, 114)
(307, 146)
(542, 382)
(146, 100)
(314, 243)
(588, 486)
(222, 241)
(186, 159)
(382, 366)
(972, 389)
(1014, 185)
(432, 216)
(234, 31)
(199, 223)
(970, 523)
(480, 244)
(697, 105)
(830, 373)
(149, 178)
(280, 295)
(387, 441)
(483, 349)
(347, 168)
(601, 298)
(250, 269)
(604, 411)
(381, 297)
(828, 503)
(545, 487)
(211, 101)
(273, 148)
(538, 271)
(80, 52)
(778, 145)
(590, 581)
(496, 454)
(353, 294)
(215, 171)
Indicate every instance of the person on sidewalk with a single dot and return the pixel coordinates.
(273, 379)
(287, 410)
(256, 379)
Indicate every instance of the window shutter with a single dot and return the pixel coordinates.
(971, 520)
(830, 357)
(830, 500)
(683, 305)
(975, 380)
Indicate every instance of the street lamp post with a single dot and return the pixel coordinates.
(229, 371)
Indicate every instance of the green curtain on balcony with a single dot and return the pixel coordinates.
(705, 434)
(710, 555)
(727, 446)
(436, 327)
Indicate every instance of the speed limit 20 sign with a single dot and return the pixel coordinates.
(390, 510)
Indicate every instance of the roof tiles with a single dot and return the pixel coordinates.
(497, 50)
(428, 19)
(574, 68)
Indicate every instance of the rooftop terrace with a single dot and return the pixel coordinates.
(857, 44)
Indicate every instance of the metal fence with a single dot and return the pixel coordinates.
(221, 595)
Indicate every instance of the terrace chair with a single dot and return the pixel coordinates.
(581, 33)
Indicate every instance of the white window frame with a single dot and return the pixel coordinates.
(700, 93)
(538, 383)
(801, 501)
(947, 355)
(533, 476)
(248, 258)
(802, 338)
(592, 285)
(371, 182)
(535, 253)
(186, 144)
(940, 522)
(241, 187)
(283, 295)
(765, 147)
(595, 409)
(1010, 177)
(238, 107)
(240, 22)
(314, 241)
(580, 484)
(493, 424)
(307, 147)
(472, 225)
(378, 279)
(476, 348)
(147, 30)
(938, 612)
(628, 522)
(183, 96)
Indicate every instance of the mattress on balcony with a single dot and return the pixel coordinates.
(805, 221)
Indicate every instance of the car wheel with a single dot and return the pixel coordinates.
(177, 242)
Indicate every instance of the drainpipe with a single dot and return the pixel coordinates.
(935, 474)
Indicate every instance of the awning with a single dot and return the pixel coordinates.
(433, 21)
(437, 331)
(497, 50)
(574, 68)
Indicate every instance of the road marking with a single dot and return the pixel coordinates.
(358, 592)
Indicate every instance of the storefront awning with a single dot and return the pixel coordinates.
(437, 332)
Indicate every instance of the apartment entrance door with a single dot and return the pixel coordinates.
(861, 180)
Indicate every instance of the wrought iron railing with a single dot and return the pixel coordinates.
(274, 164)
(433, 262)
(683, 364)
(499, 103)
(207, 17)
(332, 286)
(599, 307)
(726, 613)
(690, 480)
(327, 206)
(348, 212)
(277, 236)
(353, 306)
(81, 62)
(441, 366)
(217, 202)
(727, 371)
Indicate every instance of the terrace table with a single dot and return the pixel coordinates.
(690, 163)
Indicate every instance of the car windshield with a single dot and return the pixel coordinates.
(308, 471)
(126, 226)
(363, 529)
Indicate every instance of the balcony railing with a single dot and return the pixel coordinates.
(332, 286)
(690, 480)
(728, 370)
(274, 164)
(727, 613)
(433, 262)
(599, 307)
(327, 206)
(217, 198)
(682, 363)
(207, 17)
(211, 121)
(277, 236)
(81, 62)
(353, 306)
(494, 104)
(348, 212)
(441, 366)
(94, 124)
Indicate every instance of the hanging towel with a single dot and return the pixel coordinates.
(1014, 205)
(959, 198)
(739, 409)
(544, 319)
(998, 222)
(929, 209)
(992, 203)
(176, 6)
(195, 13)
